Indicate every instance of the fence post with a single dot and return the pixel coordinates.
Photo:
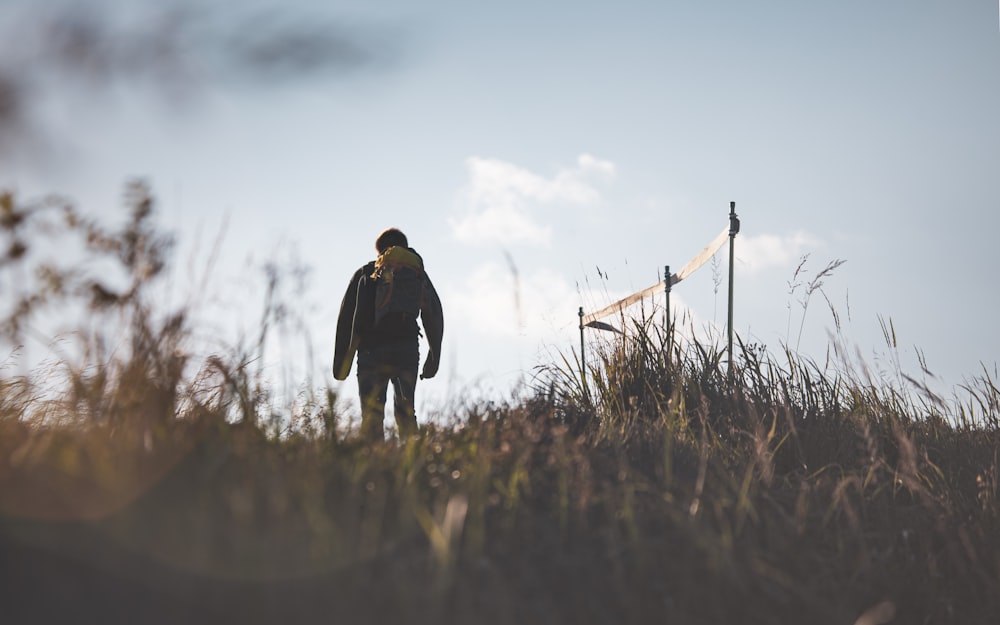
(666, 293)
(734, 228)
(583, 366)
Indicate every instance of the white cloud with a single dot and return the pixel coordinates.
(588, 162)
(496, 302)
(765, 251)
(504, 224)
(500, 200)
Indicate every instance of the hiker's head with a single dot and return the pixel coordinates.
(390, 237)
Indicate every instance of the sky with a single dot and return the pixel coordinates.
(543, 156)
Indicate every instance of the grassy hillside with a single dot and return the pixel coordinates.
(140, 483)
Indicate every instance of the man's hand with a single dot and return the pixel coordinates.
(430, 368)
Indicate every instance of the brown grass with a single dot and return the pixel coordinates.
(140, 484)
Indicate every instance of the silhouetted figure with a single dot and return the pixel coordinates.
(378, 321)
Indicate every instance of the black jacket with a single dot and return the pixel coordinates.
(356, 324)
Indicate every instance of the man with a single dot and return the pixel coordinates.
(378, 321)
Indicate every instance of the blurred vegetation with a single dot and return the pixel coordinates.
(141, 483)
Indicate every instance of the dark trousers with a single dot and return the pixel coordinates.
(377, 367)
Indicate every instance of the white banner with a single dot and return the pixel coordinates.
(693, 265)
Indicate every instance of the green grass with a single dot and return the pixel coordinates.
(144, 484)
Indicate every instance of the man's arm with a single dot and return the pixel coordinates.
(432, 318)
(347, 340)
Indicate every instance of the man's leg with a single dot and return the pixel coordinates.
(373, 382)
(404, 385)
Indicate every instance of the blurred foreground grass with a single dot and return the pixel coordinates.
(141, 484)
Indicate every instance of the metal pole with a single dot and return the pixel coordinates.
(583, 368)
(666, 292)
(734, 228)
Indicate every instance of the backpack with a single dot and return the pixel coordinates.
(399, 284)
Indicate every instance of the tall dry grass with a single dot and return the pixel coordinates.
(141, 482)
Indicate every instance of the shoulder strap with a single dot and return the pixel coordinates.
(397, 257)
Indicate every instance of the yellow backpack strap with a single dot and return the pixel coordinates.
(395, 256)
